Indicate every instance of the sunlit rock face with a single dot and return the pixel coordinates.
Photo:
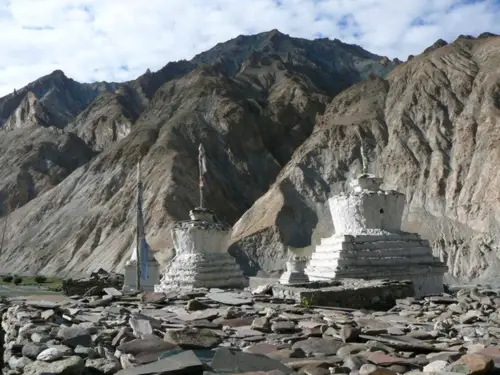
(368, 242)
(201, 257)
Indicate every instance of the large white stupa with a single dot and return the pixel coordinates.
(368, 242)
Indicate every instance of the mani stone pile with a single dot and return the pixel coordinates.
(219, 332)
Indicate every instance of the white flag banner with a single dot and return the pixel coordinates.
(202, 162)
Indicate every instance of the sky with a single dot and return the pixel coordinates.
(118, 40)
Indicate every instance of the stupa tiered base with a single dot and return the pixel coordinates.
(202, 260)
(203, 271)
(369, 243)
(394, 256)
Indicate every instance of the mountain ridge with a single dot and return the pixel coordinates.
(269, 120)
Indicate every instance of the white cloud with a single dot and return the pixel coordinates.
(96, 39)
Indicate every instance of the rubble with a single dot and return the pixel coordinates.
(96, 283)
(217, 332)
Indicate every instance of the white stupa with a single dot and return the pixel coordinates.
(149, 268)
(201, 244)
(149, 280)
(368, 242)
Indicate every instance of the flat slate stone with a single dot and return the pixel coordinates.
(184, 363)
(192, 338)
(146, 345)
(228, 298)
(70, 365)
(314, 345)
(141, 327)
(186, 316)
(227, 361)
(403, 343)
(75, 335)
(45, 305)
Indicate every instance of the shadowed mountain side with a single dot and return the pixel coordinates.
(35, 161)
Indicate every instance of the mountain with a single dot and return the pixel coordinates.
(431, 129)
(280, 120)
(251, 113)
(62, 97)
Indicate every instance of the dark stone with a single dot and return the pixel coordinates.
(31, 351)
(227, 361)
(195, 305)
(349, 333)
(153, 297)
(75, 335)
(151, 344)
(192, 338)
(283, 327)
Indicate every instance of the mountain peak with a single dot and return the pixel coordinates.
(58, 73)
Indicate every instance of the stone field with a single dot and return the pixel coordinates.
(242, 332)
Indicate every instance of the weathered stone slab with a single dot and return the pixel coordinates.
(193, 338)
(186, 316)
(403, 343)
(183, 363)
(141, 327)
(151, 344)
(228, 298)
(227, 361)
(315, 345)
(350, 293)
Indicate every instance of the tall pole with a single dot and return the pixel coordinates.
(202, 167)
(364, 158)
(5, 227)
(138, 226)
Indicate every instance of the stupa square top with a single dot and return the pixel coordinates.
(367, 209)
(201, 234)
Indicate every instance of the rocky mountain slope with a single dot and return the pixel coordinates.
(431, 130)
(257, 103)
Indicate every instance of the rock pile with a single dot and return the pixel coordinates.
(97, 281)
(218, 332)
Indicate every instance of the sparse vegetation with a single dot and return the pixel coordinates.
(7, 278)
(306, 302)
(40, 279)
(50, 283)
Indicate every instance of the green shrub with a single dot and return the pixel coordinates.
(7, 278)
(18, 280)
(40, 279)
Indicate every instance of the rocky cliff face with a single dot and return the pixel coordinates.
(277, 145)
(431, 129)
(35, 160)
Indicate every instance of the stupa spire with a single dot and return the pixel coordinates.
(202, 167)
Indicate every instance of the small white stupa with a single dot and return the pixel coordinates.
(201, 243)
(295, 271)
(368, 242)
(145, 274)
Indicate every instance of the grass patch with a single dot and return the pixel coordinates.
(45, 282)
